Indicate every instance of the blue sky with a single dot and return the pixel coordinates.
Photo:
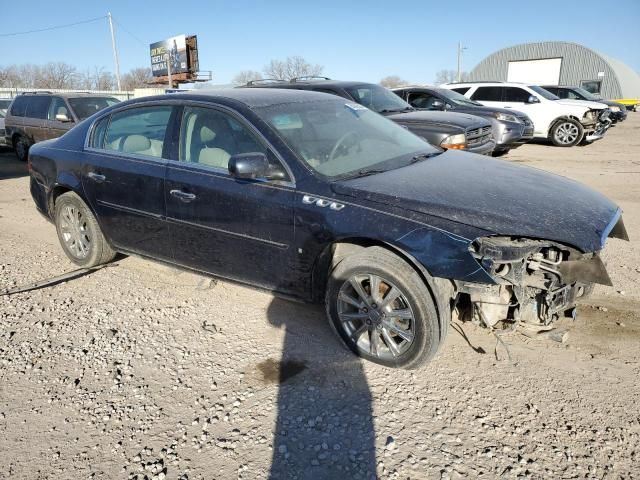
(352, 39)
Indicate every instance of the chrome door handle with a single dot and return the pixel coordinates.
(183, 196)
(96, 177)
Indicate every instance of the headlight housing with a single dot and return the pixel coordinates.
(615, 109)
(506, 117)
(456, 142)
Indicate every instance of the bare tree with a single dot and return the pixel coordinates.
(136, 78)
(98, 79)
(290, 68)
(246, 76)
(57, 75)
(393, 81)
(448, 76)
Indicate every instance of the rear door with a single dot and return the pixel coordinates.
(490, 96)
(124, 177)
(238, 229)
(36, 117)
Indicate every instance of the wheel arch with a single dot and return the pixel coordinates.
(441, 290)
(65, 182)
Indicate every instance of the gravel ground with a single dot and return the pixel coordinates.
(140, 371)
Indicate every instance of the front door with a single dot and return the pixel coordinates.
(55, 127)
(238, 229)
(124, 178)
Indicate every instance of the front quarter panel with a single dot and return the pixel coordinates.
(438, 245)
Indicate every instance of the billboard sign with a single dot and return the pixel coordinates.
(173, 50)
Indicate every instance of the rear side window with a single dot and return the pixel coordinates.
(515, 94)
(488, 94)
(138, 131)
(99, 132)
(461, 90)
(19, 106)
(38, 107)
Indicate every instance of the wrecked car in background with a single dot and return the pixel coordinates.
(316, 197)
(564, 122)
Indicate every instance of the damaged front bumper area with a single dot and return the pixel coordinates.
(537, 281)
(596, 123)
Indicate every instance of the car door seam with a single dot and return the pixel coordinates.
(178, 221)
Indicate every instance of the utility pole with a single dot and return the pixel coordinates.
(460, 50)
(115, 51)
(168, 57)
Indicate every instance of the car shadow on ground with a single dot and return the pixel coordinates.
(324, 427)
(10, 166)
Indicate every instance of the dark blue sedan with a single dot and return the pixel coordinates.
(316, 197)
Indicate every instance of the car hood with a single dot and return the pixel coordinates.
(494, 195)
(445, 118)
(582, 103)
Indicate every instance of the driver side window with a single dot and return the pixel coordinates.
(422, 100)
(210, 138)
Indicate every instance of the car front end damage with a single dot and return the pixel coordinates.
(536, 281)
(596, 123)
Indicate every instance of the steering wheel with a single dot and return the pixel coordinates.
(340, 143)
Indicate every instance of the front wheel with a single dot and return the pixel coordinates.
(79, 232)
(382, 309)
(566, 133)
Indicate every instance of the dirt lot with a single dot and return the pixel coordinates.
(142, 371)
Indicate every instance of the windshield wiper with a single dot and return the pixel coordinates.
(365, 172)
(396, 110)
(422, 156)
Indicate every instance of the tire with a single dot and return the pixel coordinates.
(499, 153)
(566, 133)
(79, 233)
(414, 334)
(21, 146)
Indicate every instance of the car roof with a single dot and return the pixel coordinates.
(313, 83)
(64, 94)
(250, 97)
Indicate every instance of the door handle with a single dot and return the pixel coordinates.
(96, 177)
(183, 196)
(506, 106)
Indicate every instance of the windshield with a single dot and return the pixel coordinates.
(87, 106)
(543, 93)
(457, 98)
(378, 98)
(586, 95)
(339, 138)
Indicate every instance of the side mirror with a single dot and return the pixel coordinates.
(62, 117)
(438, 105)
(249, 165)
(533, 99)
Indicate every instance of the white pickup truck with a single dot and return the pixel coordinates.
(564, 122)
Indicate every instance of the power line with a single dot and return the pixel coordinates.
(146, 44)
(56, 27)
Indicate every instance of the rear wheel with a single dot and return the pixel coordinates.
(566, 133)
(79, 232)
(382, 309)
(21, 146)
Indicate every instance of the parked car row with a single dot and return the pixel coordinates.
(565, 122)
(317, 197)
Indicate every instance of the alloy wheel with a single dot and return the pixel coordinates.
(566, 133)
(376, 316)
(75, 232)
